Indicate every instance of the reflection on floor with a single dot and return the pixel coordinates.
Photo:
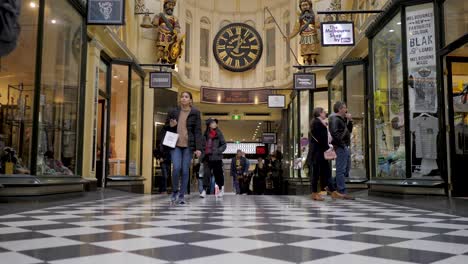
(237, 229)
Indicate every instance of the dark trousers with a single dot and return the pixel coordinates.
(166, 173)
(321, 167)
(214, 167)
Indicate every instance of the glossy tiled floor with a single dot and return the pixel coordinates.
(236, 229)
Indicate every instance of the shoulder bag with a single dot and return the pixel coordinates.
(330, 154)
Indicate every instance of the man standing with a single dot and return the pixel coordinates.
(341, 126)
(238, 169)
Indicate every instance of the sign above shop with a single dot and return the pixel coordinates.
(269, 138)
(304, 81)
(337, 33)
(106, 12)
(276, 101)
(234, 96)
(160, 80)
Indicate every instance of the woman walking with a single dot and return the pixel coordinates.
(213, 145)
(320, 142)
(260, 175)
(184, 120)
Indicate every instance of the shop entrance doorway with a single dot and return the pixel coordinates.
(457, 83)
(101, 141)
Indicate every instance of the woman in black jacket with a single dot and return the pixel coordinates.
(319, 143)
(260, 175)
(214, 145)
(184, 120)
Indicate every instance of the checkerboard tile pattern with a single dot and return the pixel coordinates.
(235, 229)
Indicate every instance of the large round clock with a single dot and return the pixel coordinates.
(237, 47)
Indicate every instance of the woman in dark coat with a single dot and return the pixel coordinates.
(214, 145)
(260, 174)
(184, 120)
(320, 142)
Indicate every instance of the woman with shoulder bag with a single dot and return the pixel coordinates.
(214, 145)
(184, 120)
(321, 151)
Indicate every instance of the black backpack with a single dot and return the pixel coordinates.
(9, 25)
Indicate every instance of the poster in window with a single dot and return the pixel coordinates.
(421, 50)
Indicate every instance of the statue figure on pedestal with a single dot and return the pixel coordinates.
(169, 42)
(306, 26)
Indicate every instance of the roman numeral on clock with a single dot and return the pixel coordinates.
(223, 55)
(237, 64)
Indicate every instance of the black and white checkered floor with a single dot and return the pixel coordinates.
(236, 229)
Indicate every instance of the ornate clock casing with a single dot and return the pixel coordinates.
(238, 47)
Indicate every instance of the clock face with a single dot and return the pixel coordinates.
(237, 47)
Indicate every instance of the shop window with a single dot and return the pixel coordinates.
(389, 111)
(321, 100)
(422, 90)
(336, 89)
(118, 120)
(60, 90)
(290, 146)
(355, 89)
(305, 126)
(135, 126)
(456, 19)
(17, 71)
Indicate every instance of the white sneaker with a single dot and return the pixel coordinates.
(203, 194)
(221, 193)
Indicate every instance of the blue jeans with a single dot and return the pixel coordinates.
(235, 183)
(343, 165)
(181, 160)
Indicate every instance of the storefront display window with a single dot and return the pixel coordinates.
(305, 124)
(336, 86)
(17, 71)
(60, 90)
(296, 163)
(321, 100)
(389, 110)
(456, 20)
(135, 126)
(355, 90)
(118, 120)
(291, 132)
(422, 90)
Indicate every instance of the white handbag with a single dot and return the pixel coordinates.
(170, 139)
